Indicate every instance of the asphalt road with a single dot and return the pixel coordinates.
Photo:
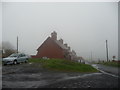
(114, 71)
(27, 76)
(92, 81)
(108, 78)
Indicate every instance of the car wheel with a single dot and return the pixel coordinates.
(4, 64)
(26, 61)
(15, 62)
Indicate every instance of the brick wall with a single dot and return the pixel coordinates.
(50, 49)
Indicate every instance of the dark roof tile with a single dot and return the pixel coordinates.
(60, 44)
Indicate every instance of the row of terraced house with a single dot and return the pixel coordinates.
(53, 48)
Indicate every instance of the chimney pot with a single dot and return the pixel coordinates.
(61, 41)
(54, 35)
(68, 48)
(66, 45)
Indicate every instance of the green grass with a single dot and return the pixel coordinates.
(63, 65)
(0, 63)
(114, 64)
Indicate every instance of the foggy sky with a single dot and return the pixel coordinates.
(83, 26)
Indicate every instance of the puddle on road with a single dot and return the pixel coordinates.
(82, 76)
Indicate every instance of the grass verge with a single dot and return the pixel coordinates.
(113, 64)
(64, 65)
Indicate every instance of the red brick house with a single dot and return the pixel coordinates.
(53, 48)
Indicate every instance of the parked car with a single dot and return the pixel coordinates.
(15, 59)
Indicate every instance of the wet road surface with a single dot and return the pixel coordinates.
(109, 69)
(93, 81)
(28, 76)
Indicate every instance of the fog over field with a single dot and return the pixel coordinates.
(84, 26)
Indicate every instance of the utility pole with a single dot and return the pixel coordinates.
(107, 50)
(17, 44)
(91, 56)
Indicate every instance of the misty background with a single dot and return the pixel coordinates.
(83, 26)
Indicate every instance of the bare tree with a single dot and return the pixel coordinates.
(8, 49)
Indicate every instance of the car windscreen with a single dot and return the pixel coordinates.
(14, 55)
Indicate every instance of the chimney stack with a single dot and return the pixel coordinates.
(54, 35)
(61, 41)
(68, 48)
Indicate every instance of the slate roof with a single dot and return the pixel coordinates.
(60, 44)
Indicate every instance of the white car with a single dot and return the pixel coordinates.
(15, 59)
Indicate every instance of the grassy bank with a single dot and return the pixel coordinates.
(64, 65)
(113, 64)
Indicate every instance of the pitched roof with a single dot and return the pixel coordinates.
(57, 42)
(60, 44)
(43, 43)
